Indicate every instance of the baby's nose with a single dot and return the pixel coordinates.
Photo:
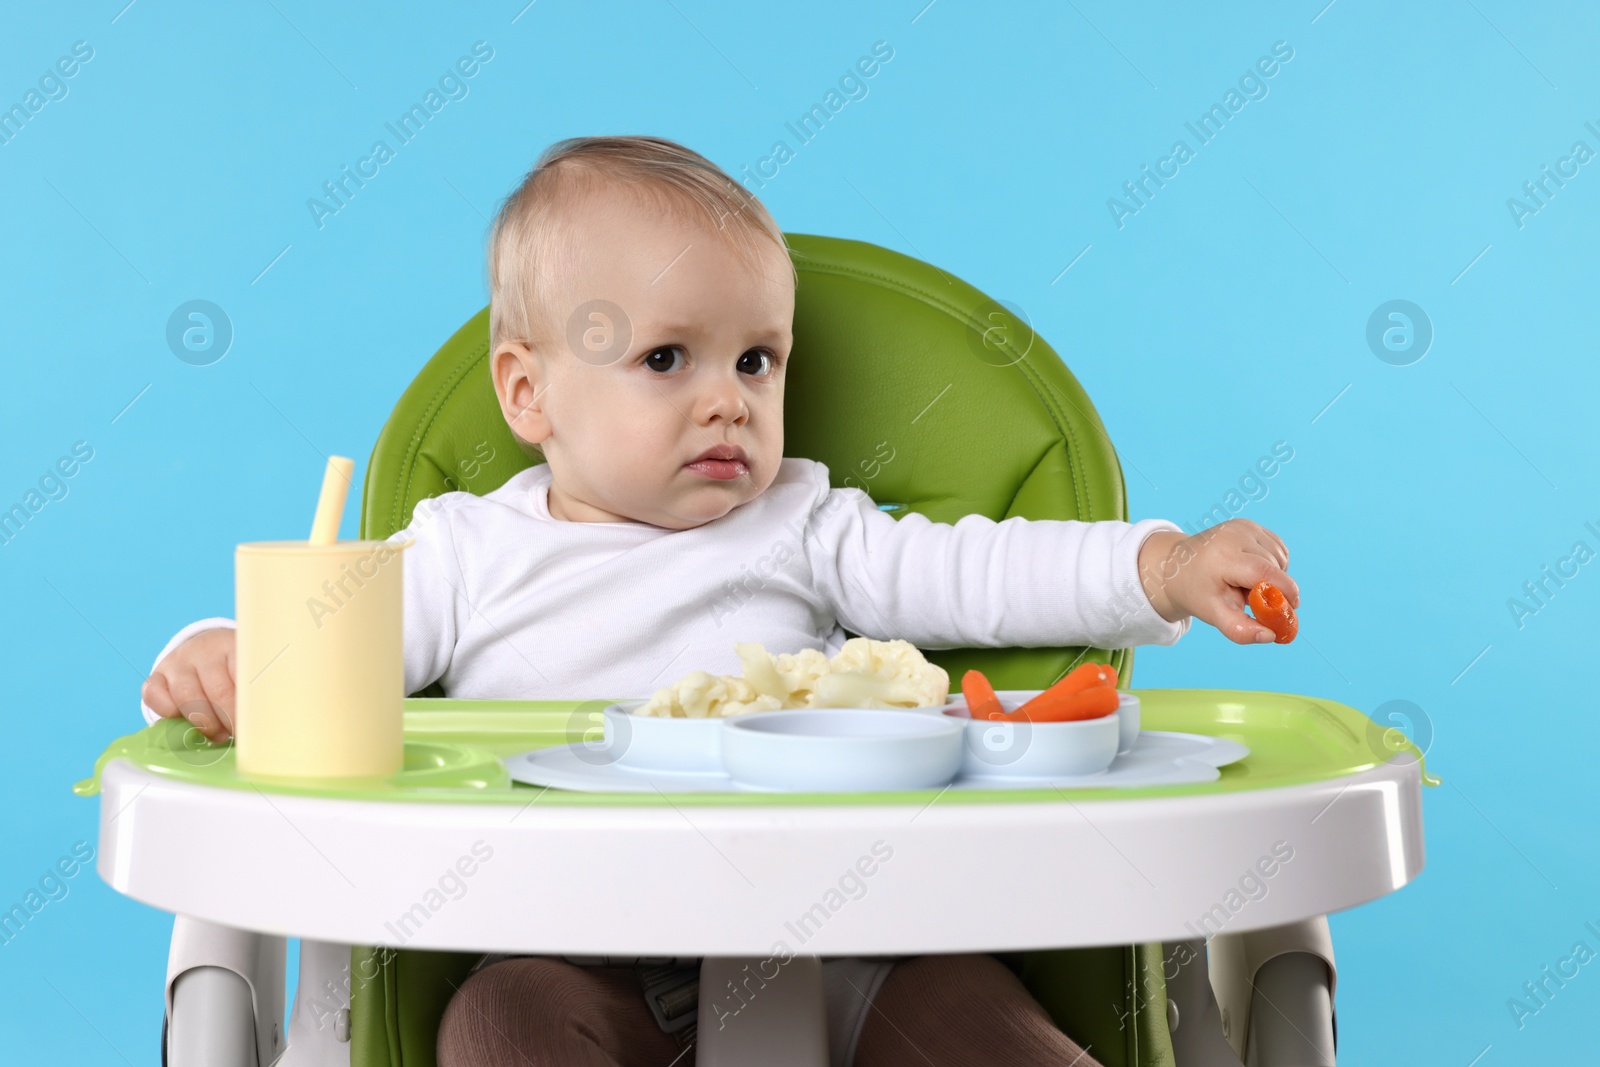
(723, 400)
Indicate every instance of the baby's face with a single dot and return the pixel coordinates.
(665, 344)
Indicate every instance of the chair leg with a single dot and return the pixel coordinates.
(319, 1021)
(255, 960)
(1242, 978)
(1195, 1020)
(1291, 1014)
(212, 1023)
(760, 1011)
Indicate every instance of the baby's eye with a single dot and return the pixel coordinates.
(758, 361)
(662, 359)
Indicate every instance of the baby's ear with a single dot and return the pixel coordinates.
(520, 384)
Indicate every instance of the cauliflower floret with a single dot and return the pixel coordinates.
(882, 674)
(760, 672)
(790, 677)
(864, 674)
(800, 671)
(700, 694)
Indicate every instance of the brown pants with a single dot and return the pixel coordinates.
(932, 1011)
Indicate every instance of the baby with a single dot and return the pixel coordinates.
(641, 326)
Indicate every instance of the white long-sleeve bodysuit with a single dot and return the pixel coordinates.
(503, 600)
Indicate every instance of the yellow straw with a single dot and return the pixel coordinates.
(330, 505)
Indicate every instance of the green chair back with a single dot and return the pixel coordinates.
(907, 383)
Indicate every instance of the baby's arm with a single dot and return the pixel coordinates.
(194, 675)
(982, 583)
(1045, 582)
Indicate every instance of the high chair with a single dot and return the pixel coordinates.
(917, 388)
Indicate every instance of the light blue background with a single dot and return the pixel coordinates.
(1223, 317)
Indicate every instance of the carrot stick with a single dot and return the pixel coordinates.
(1085, 678)
(981, 701)
(1093, 703)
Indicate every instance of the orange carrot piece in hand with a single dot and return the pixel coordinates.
(1271, 609)
(981, 701)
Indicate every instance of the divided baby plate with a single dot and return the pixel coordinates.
(657, 743)
(1036, 749)
(849, 750)
(867, 749)
(998, 748)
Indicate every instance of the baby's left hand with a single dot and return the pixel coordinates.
(1210, 575)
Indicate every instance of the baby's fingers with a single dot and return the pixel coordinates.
(157, 697)
(216, 679)
(1253, 568)
(1227, 614)
(193, 704)
(1278, 552)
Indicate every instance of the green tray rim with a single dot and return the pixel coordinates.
(1294, 740)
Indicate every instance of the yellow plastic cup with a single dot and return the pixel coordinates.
(320, 662)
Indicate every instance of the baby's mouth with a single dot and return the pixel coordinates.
(722, 463)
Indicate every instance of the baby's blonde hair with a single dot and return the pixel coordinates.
(527, 239)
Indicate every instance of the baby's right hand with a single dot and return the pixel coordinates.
(196, 681)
